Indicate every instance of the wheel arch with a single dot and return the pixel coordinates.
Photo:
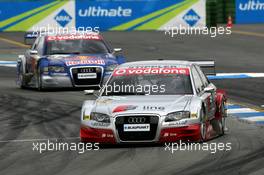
(220, 99)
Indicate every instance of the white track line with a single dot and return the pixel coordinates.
(34, 140)
(8, 63)
(240, 110)
(255, 119)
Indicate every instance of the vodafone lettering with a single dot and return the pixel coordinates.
(140, 71)
(74, 37)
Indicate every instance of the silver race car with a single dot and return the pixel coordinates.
(155, 101)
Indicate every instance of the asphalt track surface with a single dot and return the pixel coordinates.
(29, 114)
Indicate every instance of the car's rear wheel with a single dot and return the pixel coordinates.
(222, 120)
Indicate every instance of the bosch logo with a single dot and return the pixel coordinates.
(191, 17)
(63, 18)
(136, 120)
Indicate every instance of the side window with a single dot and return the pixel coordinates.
(197, 80)
(39, 46)
(34, 46)
(202, 75)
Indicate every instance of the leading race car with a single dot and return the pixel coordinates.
(68, 60)
(155, 101)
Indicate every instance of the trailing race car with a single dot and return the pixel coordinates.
(69, 60)
(155, 101)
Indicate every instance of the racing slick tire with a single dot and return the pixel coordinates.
(203, 127)
(222, 123)
(39, 80)
(219, 124)
(21, 78)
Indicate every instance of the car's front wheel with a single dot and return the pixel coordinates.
(21, 78)
(39, 80)
(203, 127)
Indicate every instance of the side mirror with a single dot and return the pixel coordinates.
(33, 52)
(209, 89)
(116, 50)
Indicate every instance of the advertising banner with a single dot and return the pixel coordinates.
(249, 11)
(29, 15)
(102, 14)
(140, 15)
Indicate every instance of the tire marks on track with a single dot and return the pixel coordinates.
(35, 118)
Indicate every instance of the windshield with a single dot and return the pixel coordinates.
(148, 84)
(76, 47)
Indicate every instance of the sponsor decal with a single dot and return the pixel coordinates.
(191, 17)
(80, 58)
(104, 101)
(124, 108)
(63, 18)
(98, 11)
(82, 62)
(141, 71)
(99, 124)
(73, 37)
(154, 108)
(87, 75)
(251, 5)
(249, 11)
(184, 122)
(136, 127)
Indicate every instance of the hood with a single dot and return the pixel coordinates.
(161, 104)
(82, 60)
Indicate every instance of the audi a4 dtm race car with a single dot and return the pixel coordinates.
(68, 60)
(155, 101)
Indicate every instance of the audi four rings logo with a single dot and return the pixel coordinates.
(136, 120)
(87, 70)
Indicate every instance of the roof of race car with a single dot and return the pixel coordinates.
(154, 63)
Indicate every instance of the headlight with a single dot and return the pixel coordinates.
(85, 116)
(46, 69)
(175, 116)
(99, 117)
(56, 69)
(111, 68)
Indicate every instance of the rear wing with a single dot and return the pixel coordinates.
(207, 66)
(30, 37)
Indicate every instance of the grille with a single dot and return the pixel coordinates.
(88, 81)
(137, 135)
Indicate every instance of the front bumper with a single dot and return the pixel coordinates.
(56, 81)
(88, 134)
(60, 81)
(167, 134)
